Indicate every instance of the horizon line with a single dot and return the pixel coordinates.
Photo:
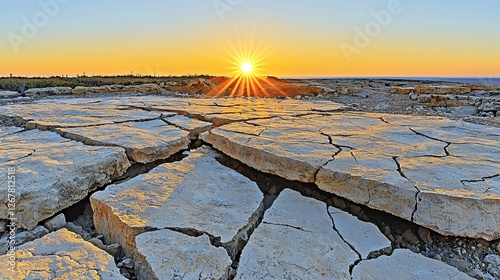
(281, 77)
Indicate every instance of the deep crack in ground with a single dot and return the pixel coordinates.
(272, 185)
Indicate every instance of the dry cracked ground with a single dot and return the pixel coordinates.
(155, 187)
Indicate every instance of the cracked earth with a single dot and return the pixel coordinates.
(184, 188)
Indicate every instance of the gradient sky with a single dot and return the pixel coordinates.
(289, 37)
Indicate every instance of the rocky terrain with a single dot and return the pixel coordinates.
(477, 103)
(350, 180)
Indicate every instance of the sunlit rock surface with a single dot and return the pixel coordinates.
(402, 90)
(197, 194)
(144, 142)
(442, 89)
(167, 254)
(380, 160)
(403, 264)
(275, 147)
(193, 126)
(387, 162)
(364, 237)
(224, 111)
(439, 173)
(54, 114)
(60, 255)
(296, 240)
(52, 173)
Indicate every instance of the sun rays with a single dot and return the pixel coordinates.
(247, 77)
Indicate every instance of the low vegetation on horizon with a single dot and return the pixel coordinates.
(21, 84)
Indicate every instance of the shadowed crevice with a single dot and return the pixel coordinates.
(400, 170)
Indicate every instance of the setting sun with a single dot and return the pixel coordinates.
(247, 77)
(246, 67)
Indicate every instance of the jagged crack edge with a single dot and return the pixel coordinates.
(360, 258)
(416, 204)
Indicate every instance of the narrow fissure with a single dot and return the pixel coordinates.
(137, 168)
(285, 225)
(484, 179)
(446, 152)
(22, 123)
(325, 112)
(244, 133)
(446, 149)
(173, 124)
(384, 121)
(351, 267)
(19, 158)
(400, 171)
(429, 137)
(339, 148)
(191, 232)
(330, 140)
(53, 128)
(416, 204)
(215, 123)
(353, 156)
(236, 246)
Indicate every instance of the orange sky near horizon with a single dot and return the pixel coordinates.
(302, 41)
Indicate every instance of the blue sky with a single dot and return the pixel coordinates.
(302, 36)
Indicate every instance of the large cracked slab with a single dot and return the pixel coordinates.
(109, 110)
(144, 142)
(296, 240)
(197, 194)
(370, 179)
(53, 173)
(167, 254)
(108, 122)
(52, 114)
(275, 147)
(452, 182)
(379, 160)
(404, 264)
(391, 163)
(59, 255)
(228, 110)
